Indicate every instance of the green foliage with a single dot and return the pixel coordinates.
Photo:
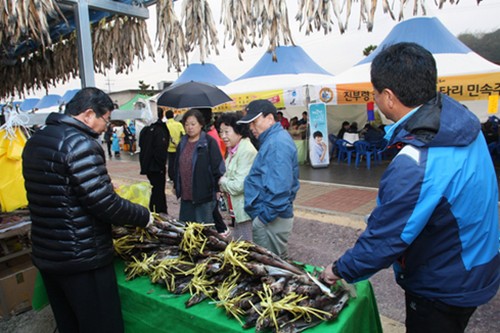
(487, 45)
(369, 49)
(145, 89)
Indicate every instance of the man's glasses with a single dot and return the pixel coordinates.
(106, 120)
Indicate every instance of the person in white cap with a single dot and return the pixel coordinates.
(273, 181)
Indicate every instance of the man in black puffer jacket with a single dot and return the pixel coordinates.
(73, 205)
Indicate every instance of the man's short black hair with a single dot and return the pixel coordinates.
(169, 114)
(408, 70)
(160, 112)
(89, 98)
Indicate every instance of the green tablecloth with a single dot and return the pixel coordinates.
(301, 150)
(151, 308)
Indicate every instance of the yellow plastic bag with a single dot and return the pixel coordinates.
(12, 191)
(16, 145)
(138, 193)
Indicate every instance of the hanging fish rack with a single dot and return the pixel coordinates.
(42, 45)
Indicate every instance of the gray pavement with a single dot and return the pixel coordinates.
(340, 195)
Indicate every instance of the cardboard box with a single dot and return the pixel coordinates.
(16, 288)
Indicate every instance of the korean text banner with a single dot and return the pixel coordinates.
(242, 100)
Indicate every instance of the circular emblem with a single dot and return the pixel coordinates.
(326, 95)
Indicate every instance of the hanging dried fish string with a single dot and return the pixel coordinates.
(315, 14)
(235, 18)
(136, 40)
(270, 20)
(169, 35)
(27, 19)
(118, 42)
(199, 27)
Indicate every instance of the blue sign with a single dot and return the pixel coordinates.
(318, 136)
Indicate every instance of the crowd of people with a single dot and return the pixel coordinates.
(429, 223)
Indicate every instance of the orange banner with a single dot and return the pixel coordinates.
(242, 100)
(461, 88)
(470, 87)
(354, 93)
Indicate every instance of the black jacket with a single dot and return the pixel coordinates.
(154, 140)
(208, 167)
(71, 199)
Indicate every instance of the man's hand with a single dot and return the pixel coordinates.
(328, 277)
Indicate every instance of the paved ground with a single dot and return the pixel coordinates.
(330, 209)
(331, 206)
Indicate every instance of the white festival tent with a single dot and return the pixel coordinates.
(463, 74)
(286, 81)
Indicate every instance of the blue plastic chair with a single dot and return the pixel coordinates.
(333, 144)
(344, 151)
(362, 148)
(378, 149)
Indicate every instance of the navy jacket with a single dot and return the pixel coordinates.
(437, 211)
(208, 167)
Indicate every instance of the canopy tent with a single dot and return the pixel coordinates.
(28, 104)
(463, 74)
(68, 95)
(281, 81)
(48, 101)
(131, 104)
(205, 73)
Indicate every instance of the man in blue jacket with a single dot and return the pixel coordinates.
(273, 181)
(436, 218)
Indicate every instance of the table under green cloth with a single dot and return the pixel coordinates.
(301, 150)
(150, 307)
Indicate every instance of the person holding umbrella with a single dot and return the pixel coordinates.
(199, 166)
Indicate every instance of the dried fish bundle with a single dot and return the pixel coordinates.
(40, 69)
(246, 20)
(252, 284)
(315, 14)
(170, 36)
(27, 19)
(118, 42)
(236, 20)
(199, 27)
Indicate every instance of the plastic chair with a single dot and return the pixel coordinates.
(378, 148)
(362, 148)
(333, 144)
(344, 151)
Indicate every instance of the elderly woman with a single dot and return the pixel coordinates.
(240, 156)
(199, 166)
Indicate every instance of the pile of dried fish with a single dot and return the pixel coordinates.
(252, 284)
(169, 35)
(267, 19)
(315, 14)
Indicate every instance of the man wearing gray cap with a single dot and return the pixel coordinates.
(273, 181)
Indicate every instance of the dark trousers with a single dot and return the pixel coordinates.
(425, 316)
(220, 226)
(158, 200)
(171, 165)
(108, 144)
(86, 302)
